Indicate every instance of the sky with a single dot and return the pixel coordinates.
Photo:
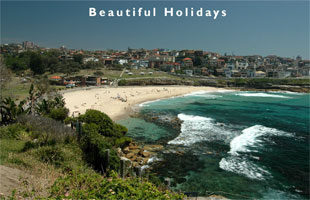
(250, 27)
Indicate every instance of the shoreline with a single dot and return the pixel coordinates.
(109, 99)
(121, 102)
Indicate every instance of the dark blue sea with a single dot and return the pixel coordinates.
(241, 145)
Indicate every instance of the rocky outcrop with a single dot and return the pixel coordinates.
(139, 155)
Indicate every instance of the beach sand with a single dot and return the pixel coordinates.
(121, 101)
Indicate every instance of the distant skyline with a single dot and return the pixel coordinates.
(250, 27)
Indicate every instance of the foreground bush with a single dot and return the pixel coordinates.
(13, 131)
(46, 130)
(95, 146)
(93, 186)
(59, 114)
(99, 134)
(103, 123)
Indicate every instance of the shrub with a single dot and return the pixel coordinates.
(123, 142)
(47, 130)
(94, 186)
(94, 147)
(103, 121)
(30, 145)
(59, 114)
(104, 124)
(122, 82)
(13, 131)
(50, 154)
(120, 130)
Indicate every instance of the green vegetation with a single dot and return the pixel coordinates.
(35, 139)
(94, 186)
(49, 61)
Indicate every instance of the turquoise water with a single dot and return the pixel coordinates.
(236, 144)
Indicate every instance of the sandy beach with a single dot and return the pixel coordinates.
(120, 102)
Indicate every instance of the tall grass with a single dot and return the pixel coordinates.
(47, 130)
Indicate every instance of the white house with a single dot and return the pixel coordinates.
(241, 65)
(90, 59)
(122, 61)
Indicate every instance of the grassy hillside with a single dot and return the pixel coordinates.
(56, 163)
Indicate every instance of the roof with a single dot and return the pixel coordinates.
(55, 77)
(185, 59)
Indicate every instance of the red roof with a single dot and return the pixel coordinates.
(55, 77)
(187, 59)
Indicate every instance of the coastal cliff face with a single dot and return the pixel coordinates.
(293, 85)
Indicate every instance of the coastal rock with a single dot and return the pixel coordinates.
(153, 148)
(135, 151)
(131, 147)
(126, 150)
(130, 155)
(134, 158)
(145, 160)
(139, 159)
(141, 151)
(146, 154)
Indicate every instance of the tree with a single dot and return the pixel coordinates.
(197, 61)
(78, 58)
(59, 114)
(36, 64)
(10, 110)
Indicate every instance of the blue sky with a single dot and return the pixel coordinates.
(250, 27)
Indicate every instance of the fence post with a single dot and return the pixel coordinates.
(80, 129)
(107, 154)
(123, 168)
(77, 129)
(168, 181)
(139, 172)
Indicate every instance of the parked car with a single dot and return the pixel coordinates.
(70, 86)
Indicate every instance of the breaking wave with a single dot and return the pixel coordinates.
(243, 166)
(203, 94)
(251, 137)
(196, 129)
(148, 102)
(249, 141)
(262, 95)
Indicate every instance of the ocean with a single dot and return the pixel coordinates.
(238, 144)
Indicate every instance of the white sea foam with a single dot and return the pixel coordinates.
(196, 129)
(289, 92)
(199, 93)
(153, 159)
(251, 137)
(262, 95)
(145, 167)
(242, 166)
(148, 102)
(207, 94)
(248, 141)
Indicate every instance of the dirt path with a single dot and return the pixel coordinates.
(10, 179)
